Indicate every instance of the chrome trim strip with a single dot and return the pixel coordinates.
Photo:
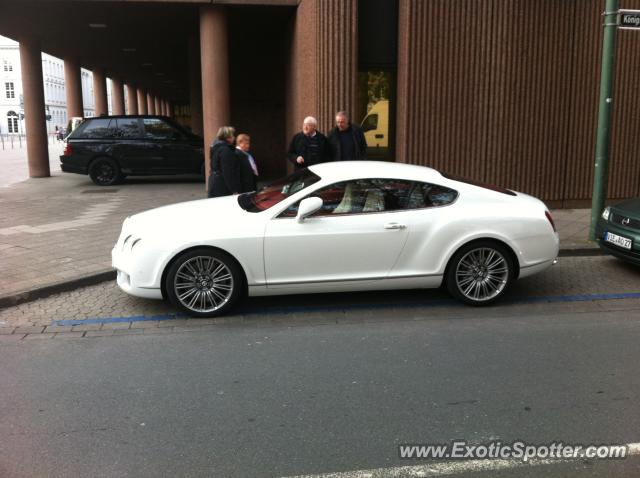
(354, 280)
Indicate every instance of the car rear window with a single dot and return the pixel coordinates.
(480, 184)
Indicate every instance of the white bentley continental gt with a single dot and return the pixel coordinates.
(336, 227)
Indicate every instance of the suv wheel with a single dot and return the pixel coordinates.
(105, 172)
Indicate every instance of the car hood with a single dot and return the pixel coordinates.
(187, 216)
(630, 207)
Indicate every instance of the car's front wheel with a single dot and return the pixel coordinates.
(480, 272)
(105, 172)
(204, 282)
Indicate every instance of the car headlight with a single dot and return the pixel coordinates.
(606, 213)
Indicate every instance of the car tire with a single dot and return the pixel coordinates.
(480, 273)
(105, 172)
(204, 282)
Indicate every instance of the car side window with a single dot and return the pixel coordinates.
(364, 196)
(128, 128)
(100, 128)
(157, 129)
(430, 195)
(360, 196)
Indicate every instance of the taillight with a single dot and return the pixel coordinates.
(67, 150)
(548, 214)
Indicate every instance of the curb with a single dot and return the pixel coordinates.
(93, 279)
(47, 290)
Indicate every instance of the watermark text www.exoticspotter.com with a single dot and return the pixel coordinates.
(519, 450)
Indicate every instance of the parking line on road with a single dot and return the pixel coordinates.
(336, 308)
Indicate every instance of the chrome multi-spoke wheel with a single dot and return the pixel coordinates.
(203, 283)
(480, 273)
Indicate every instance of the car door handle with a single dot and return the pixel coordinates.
(394, 225)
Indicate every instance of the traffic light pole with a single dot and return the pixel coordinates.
(601, 171)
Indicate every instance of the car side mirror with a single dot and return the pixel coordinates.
(307, 207)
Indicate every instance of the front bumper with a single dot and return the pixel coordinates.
(631, 255)
(137, 265)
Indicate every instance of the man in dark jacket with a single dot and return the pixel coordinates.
(246, 164)
(310, 146)
(347, 140)
(224, 179)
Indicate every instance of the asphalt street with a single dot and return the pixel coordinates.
(276, 400)
(317, 385)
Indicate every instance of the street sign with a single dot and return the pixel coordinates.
(629, 19)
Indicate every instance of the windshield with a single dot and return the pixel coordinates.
(275, 192)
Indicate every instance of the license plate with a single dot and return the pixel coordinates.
(617, 240)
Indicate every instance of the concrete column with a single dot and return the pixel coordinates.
(142, 102)
(169, 109)
(195, 85)
(100, 102)
(151, 106)
(117, 96)
(34, 112)
(73, 88)
(214, 60)
(132, 100)
(157, 106)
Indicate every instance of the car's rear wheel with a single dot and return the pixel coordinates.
(105, 172)
(204, 282)
(480, 273)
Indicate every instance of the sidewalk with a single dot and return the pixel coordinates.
(57, 233)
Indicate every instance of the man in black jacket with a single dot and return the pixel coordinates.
(310, 146)
(246, 164)
(347, 140)
(224, 179)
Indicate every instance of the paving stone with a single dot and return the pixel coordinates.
(116, 325)
(128, 332)
(69, 335)
(38, 337)
(6, 330)
(57, 328)
(11, 338)
(85, 327)
(29, 330)
(99, 333)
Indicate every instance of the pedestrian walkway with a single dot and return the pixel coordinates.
(57, 233)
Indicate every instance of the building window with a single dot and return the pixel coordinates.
(6, 65)
(10, 90)
(12, 121)
(374, 112)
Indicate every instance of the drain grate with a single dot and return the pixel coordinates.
(98, 191)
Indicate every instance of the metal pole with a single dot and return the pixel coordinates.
(601, 170)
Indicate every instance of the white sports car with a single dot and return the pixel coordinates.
(344, 226)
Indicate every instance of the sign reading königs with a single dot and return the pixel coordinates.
(629, 19)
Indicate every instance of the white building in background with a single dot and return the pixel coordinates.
(11, 98)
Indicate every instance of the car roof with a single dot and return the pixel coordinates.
(353, 169)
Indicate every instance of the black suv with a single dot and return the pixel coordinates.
(109, 148)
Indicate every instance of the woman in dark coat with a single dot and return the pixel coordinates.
(246, 164)
(224, 178)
